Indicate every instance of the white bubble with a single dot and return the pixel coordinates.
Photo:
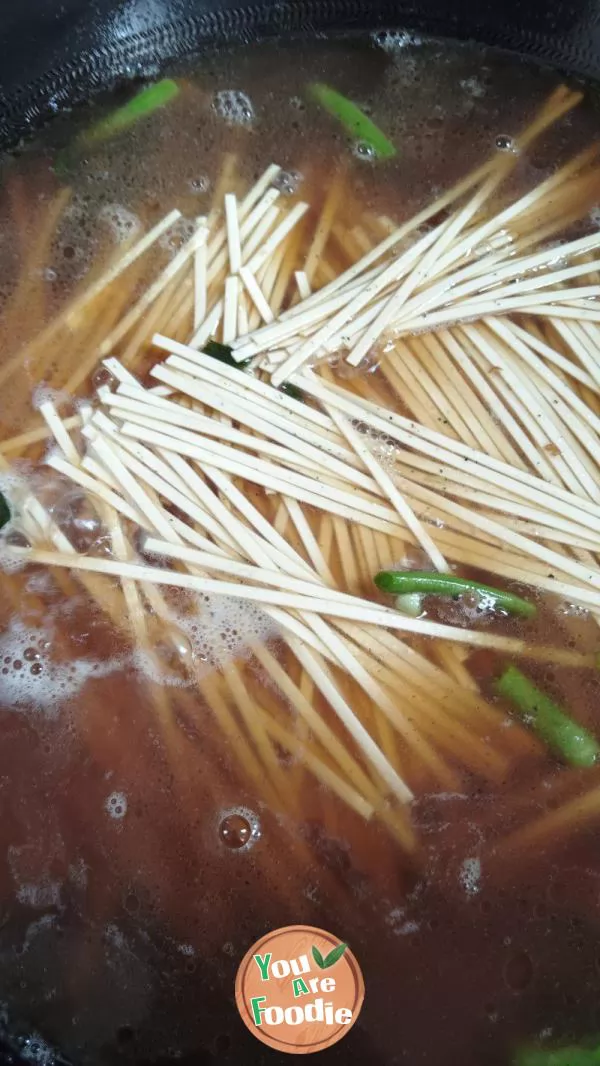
(393, 41)
(179, 234)
(10, 563)
(395, 916)
(121, 222)
(212, 631)
(407, 928)
(364, 151)
(40, 582)
(473, 87)
(39, 895)
(470, 876)
(186, 949)
(116, 805)
(115, 937)
(200, 185)
(505, 143)
(34, 1049)
(234, 106)
(250, 817)
(45, 394)
(443, 797)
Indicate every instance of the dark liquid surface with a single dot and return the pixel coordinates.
(136, 864)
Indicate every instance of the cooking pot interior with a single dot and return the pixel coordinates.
(55, 56)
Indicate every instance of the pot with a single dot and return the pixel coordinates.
(57, 53)
(53, 54)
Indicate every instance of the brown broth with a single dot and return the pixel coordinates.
(125, 912)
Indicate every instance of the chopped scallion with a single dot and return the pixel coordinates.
(144, 103)
(223, 353)
(561, 733)
(353, 120)
(571, 1055)
(292, 390)
(432, 583)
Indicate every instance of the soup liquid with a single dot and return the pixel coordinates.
(138, 863)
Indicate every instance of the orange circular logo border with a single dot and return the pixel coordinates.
(246, 977)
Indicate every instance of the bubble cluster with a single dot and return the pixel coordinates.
(393, 41)
(473, 87)
(121, 222)
(31, 680)
(398, 923)
(34, 1049)
(39, 895)
(213, 630)
(288, 181)
(178, 234)
(470, 876)
(43, 393)
(234, 106)
(116, 805)
(75, 242)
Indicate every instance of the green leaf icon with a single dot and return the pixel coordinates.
(335, 954)
(316, 954)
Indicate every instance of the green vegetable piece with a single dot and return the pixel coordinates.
(333, 956)
(560, 732)
(4, 511)
(353, 119)
(430, 582)
(316, 954)
(292, 390)
(563, 1056)
(144, 103)
(223, 353)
